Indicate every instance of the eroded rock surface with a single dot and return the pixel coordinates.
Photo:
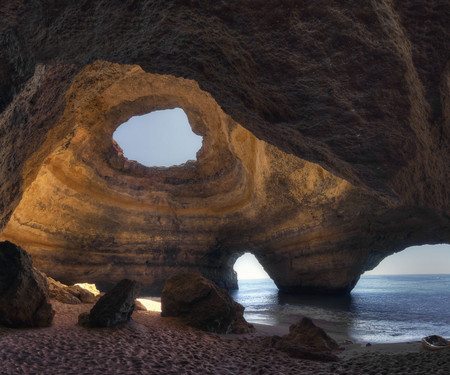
(199, 303)
(114, 307)
(73, 294)
(326, 137)
(24, 300)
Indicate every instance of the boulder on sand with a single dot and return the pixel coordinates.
(306, 341)
(24, 299)
(200, 303)
(114, 307)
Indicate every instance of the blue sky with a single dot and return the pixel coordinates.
(159, 138)
(165, 138)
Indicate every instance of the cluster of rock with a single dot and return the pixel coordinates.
(24, 298)
(195, 300)
(306, 341)
(200, 303)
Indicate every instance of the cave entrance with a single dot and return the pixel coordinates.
(257, 292)
(406, 297)
(416, 260)
(247, 267)
(159, 138)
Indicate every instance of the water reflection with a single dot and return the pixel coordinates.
(334, 303)
(388, 309)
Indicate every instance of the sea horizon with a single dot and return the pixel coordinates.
(381, 274)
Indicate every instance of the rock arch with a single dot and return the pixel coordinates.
(328, 137)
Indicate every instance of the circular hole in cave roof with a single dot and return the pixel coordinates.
(159, 138)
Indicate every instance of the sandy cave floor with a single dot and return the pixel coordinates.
(150, 344)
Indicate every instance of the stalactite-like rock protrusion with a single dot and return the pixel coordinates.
(325, 127)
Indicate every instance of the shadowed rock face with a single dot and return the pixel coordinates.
(24, 295)
(275, 92)
(199, 303)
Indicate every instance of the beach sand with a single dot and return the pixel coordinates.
(150, 344)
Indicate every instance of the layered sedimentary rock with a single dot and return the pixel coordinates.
(325, 130)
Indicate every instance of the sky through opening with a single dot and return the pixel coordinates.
(414, 260)
(159, 138)
(248, 267)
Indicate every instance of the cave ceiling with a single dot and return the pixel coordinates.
(325, 137)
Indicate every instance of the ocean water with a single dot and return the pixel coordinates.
(381, 309)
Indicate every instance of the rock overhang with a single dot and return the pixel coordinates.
(373, 129)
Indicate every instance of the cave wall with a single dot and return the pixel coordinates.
(328, 95)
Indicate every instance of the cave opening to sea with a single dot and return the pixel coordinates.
(406, 297)
(162, 138)
(248, 267)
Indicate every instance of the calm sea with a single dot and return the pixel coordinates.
(381, 309)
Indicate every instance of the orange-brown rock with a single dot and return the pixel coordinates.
(73, 294)
(326, 137)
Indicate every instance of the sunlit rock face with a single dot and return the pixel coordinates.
(275, 90)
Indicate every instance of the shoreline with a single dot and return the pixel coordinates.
(150, 344)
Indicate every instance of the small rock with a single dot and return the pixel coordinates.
(140, 306)
(306, 341)
(306, 333)
(24, 296)
(89, 287)
(85, 296)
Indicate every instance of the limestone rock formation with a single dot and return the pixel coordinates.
(73, 294)
(307, 341)
(24, 298)
(325, 137)
(199, 303)
(114, 307)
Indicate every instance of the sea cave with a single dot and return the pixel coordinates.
(323, 138)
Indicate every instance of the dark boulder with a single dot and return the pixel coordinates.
(114, 307)
(200, 303)
(24, 299)
(306, 333)
(306, 341)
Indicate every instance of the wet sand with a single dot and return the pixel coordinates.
(150, 344)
